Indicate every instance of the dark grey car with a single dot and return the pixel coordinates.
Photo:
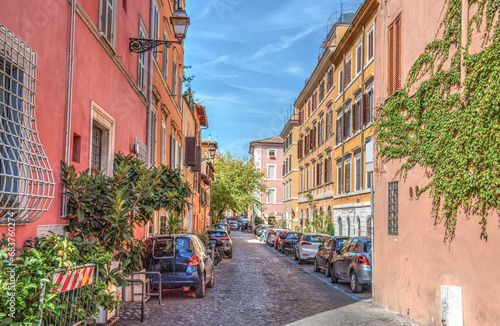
(352, 264)
(326, 253)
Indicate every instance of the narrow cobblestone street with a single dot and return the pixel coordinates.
(260, 287)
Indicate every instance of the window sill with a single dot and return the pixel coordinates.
(352, 193)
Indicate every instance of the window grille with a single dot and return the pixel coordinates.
(393, 208)
(26, 178)
(152, 150)
(96, 148)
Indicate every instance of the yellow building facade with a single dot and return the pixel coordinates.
(290, 137)
(315, 107)
(335, 124)
(353, 104)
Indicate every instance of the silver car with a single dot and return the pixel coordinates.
(308, 246)
(352, 263)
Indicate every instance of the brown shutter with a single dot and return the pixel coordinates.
(345, 116)
(325, 176)
(390, 85)
(189, 151)
(197, 166)
(354, 117)
(347, 177)
(341, 87)
(397, 50)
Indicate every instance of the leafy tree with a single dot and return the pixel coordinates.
(238, 186)
(259, 220)
(108, 209)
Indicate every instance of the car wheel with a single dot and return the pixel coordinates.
(211, 283)
(327, 270)
(295, 255)
(230, 255)
(316, 268)
(333, 278)
(199, 291)
(355, 286)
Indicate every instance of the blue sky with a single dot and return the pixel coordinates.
(250, 59)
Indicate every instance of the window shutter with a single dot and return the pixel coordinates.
(325, 177)
(397, 46)
(197, 166)
(152, 150)
(358, 174)
(179, 156)
(370, 45)
(341, 81)
(189, 151)
(359, 58)
(337, 129)
(346, 124)
(347, 177)
(354, 116)
(391, 60)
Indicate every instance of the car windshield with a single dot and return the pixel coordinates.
(315, 238)
(292, 236)
(164, 247)
(368, 246)
(340, 242)
(215, 234)
(219, 226)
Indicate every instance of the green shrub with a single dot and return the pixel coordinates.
(34, 268)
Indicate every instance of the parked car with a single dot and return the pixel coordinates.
(222, 226)
(277, 241)
(352, 264)
(227, 245)
(271, 238)
(233, 225)
(326, 253)
(288, 241)
(269, 232)
(182, 261)
(262, 228)
(308, 246)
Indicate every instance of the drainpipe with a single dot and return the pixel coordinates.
(373, 238)
(69, 107)
(150, 85)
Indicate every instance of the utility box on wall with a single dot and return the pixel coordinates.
(451, 305)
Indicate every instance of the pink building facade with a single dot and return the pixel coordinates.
(268, 157)
(417, 272)
(84, 97)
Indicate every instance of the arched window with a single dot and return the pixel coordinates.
(348, 226)
(369, 226)
(329, 213)
(358, 222)
(307, 216)
(340, 226)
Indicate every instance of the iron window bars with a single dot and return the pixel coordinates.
(393, 208)
(26, 178)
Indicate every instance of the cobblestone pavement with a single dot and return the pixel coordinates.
(259, 286)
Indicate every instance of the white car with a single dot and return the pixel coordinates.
(308, 246)
(271, 238)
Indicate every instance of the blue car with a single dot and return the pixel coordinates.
(182, 260)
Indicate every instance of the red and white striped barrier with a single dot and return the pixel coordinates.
(72, 280)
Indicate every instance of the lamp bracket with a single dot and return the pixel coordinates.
(141, 45)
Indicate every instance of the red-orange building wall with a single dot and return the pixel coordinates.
(107, 78)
